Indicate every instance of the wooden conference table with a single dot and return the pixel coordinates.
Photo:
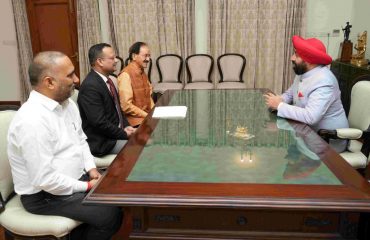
(231, 170)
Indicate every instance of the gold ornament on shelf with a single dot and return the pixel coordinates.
(359, 58)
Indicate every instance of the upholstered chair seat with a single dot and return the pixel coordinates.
(199, 85)
(20, 222)
(104, 161)
(231, 85)
(162, 87)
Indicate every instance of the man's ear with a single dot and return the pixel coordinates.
(134, 56)
(99, 62)
(48, 82)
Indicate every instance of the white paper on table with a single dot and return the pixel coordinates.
(170, 112)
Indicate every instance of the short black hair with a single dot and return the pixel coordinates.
(135, 48)
(96, 51)
(41, 65)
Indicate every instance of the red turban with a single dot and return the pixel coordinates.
(311, 50)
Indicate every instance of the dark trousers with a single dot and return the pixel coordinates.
(100, 222)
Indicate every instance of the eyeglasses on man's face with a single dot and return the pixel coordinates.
(145, 56)
(110, 58)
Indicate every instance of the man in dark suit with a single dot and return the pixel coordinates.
(103, 122)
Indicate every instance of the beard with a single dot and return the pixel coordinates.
(300, 68)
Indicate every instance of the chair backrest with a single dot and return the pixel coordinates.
(75, 96)
(148, 69)
(169, 68)
(6, 180)
(120, 65)
(231, 67)
(127, 61)
(359, 112)
(199, 68)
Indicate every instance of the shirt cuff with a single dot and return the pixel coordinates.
(80, 186)
(281, 103)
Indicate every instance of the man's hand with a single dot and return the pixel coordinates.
(92, 182)
(272, 100)
(94, 174)
(129, 130)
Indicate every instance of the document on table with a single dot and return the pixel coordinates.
(170, 112)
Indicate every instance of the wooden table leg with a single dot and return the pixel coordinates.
(126, 227)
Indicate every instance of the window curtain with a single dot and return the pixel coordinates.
(24, 46)
(166, 26)
(89, 32)
(261, 30)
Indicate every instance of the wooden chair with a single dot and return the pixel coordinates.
(231, 69)
(169, 69)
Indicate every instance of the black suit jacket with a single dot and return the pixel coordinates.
(99, 115)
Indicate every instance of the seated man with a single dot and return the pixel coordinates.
(51, 163)
(134, 87)
(314, 97)
(106, 127)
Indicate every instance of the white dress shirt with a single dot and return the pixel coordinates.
(47, 148)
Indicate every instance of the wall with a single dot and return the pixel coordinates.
(361, 22)
(323, 16)
(201, 26)
(9, 76)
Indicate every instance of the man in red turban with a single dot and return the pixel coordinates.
(314, 97)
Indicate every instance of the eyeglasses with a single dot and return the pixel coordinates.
(111, 58)
(145, 56)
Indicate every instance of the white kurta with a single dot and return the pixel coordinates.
(314, 99)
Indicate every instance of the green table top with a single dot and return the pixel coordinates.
(229, 136)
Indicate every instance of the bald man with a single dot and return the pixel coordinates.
(51, 163)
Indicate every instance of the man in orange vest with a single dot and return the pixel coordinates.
(134, 87)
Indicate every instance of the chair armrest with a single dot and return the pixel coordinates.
(349, 133)
(341, 133)
(327, 134)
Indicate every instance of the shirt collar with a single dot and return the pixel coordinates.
(311, 72)
(46, 101)
(102, 76)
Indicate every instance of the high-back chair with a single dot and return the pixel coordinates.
(13, 217)
(148, 69)
(120, 65)
(231, 68)
(199, 68)
(358, 133)
(169, 69)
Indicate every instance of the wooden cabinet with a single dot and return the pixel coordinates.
(346, 74)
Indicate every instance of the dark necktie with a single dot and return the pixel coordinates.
(114, 94)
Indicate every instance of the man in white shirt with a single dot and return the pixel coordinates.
(51, 163)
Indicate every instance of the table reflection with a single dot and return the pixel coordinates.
(228, 136)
